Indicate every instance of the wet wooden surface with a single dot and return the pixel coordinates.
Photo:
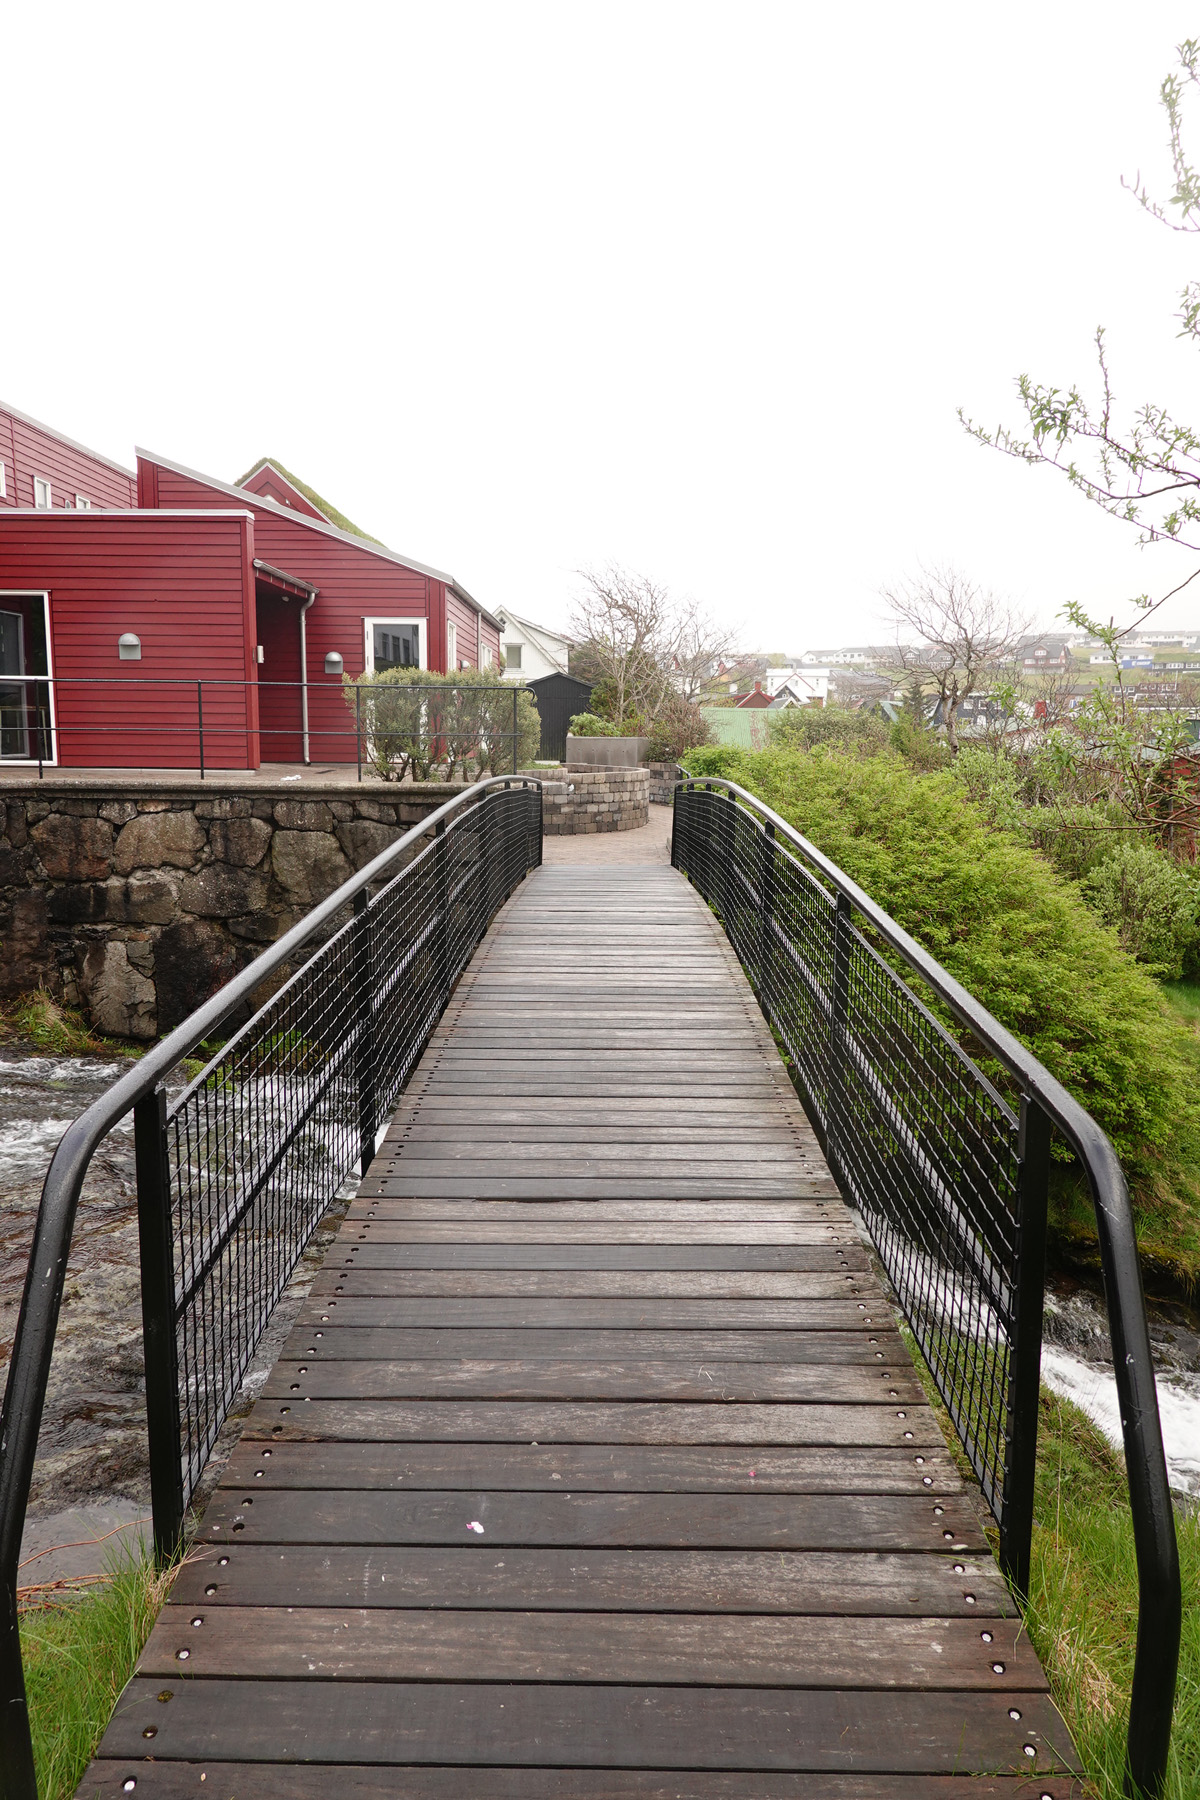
(595, 1465)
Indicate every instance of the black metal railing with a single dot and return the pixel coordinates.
(237, 1170)
(950, 1181)
(173, 723)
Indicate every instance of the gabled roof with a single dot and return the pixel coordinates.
(539, 634)
(368, 547)
(305, 494)
(64, 439)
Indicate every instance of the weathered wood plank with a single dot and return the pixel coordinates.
(889, 1522)
(344, 1644)
(598, 1726)
(367, 1338)
(580, 1468)
(376, 1377)
(597, 1422)
(614, 1313)
(296, 1781)
(836, 1584)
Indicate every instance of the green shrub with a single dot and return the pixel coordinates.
(678, 726)
(1021, 939)
(839, 727)
(415, 722)
(587, 724)
(1150, 902)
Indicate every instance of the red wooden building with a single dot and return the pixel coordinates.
(188, 604)
(40, 468)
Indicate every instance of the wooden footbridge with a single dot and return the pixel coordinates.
(596, 1466)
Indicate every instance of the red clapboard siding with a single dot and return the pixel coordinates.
(184, 584)
(28, 449)
(463, 617)
(354, 582)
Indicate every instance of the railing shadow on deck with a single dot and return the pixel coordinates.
(950, 1182)
(235, 1174)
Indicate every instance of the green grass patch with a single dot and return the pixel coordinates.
(79, 1651)
(56, 1029)
(1083, 1601)
(1183, 997)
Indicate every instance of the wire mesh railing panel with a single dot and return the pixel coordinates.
(277, 1122)
(921, 1142)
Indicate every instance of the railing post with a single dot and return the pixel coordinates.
(839, 1019)
(676, 792)
(160, 1345)
(358, 725)
(18, 1778)
(364, 991)
(516, 695)
(200, 722)
(1025, 1356)
(535, 861)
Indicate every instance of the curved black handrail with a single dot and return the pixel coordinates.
(1160, 1601)
(37, 1323)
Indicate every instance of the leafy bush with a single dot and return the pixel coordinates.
(416, 723)
(678, 727)
(1150, 902)
(589, 725)
(839, 727)
(1016, 935)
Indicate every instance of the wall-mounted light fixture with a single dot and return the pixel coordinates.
(333, 662)
(129, 647)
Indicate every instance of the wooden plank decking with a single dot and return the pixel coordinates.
(596, 1466)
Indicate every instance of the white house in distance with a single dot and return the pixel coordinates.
(799, 687)
(531, 651)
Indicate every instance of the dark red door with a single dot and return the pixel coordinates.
(279, 712)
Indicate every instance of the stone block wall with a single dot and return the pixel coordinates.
(135, 906)
(663, 777)
(582, 799)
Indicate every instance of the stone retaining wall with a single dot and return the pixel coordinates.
(663, 777)
(582, 799)
(135, 906)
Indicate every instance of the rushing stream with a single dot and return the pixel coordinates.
(91, 1469)
(93, 1446)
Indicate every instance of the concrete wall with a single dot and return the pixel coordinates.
(607, 752)
(136, 904)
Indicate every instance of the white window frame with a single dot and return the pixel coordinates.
(508, 650)
(3, 483)
(451, 647)
(82, 503)
(488, 659)
(40, 481)
(42, 594)
(422, 625)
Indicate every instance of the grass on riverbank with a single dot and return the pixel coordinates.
(1082, 1613)
(79, 1652)
(57, 1030)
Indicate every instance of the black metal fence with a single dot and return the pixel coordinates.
(235, 1174)
(210, 724)
(950, 1181)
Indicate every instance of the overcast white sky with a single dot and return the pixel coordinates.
(694, 287)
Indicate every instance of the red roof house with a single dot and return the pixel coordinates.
(152, 624)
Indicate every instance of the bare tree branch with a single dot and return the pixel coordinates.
(963, 633)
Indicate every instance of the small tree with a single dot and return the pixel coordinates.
(964, 635)
(639, 645)
(419, 725)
